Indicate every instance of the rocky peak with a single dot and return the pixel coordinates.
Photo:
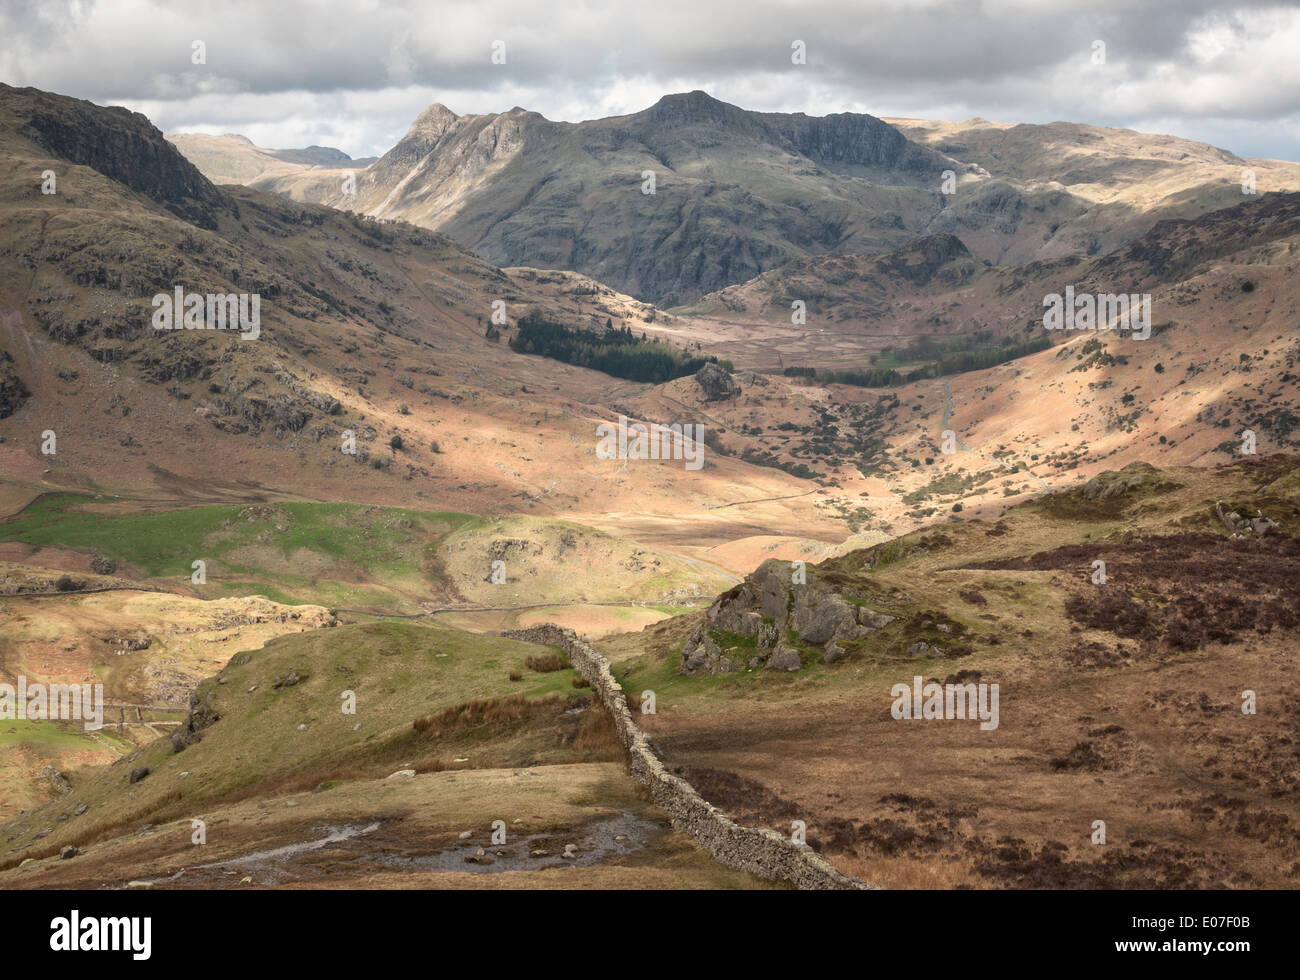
(432, 123)
(695, 108)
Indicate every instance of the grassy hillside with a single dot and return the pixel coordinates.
(1120, 701)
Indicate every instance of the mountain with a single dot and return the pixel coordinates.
(738, 193)
(376, 328)
(233, 159)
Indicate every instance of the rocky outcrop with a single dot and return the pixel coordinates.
(120, 144)
(202, 714)
(770, 602)
(920, 261)
(701, 654)
(760, 852)
(12, 390)
(1240, 526)
(716, 383)
(1110, 484)
(58, 782)
(783, 658)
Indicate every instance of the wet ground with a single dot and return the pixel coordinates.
(361, 848)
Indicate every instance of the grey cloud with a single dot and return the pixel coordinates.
(1197, 64)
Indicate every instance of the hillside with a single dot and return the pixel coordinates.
(232, 159)
(1119, 700)
(372, 328)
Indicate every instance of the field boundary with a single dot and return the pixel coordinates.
(759, 851)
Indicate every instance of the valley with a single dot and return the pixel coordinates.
(240, 536)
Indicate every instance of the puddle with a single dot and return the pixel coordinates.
(349, 847)
(278, 854)
(615, 837)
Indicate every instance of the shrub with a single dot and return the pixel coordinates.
(547, 663)
(487, 711)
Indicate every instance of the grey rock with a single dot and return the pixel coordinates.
(700, 654)
(716, 383)
(873, 620)
(783, 658)
(829, 617)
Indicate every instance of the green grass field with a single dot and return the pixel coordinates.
(328, 553)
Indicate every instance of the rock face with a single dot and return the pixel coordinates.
(120, 144)
(716, 383)
(12, 390)
(783, 658)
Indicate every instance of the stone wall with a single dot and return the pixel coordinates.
(761, 852)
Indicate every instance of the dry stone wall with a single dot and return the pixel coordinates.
(761, 852)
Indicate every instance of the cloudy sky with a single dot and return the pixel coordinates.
(354, 74)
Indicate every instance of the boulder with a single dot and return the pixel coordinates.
(716, 383)
(783, 658)
(871, 619)
(700, 654)
(829, 617)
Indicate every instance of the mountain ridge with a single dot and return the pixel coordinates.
(740, 192)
